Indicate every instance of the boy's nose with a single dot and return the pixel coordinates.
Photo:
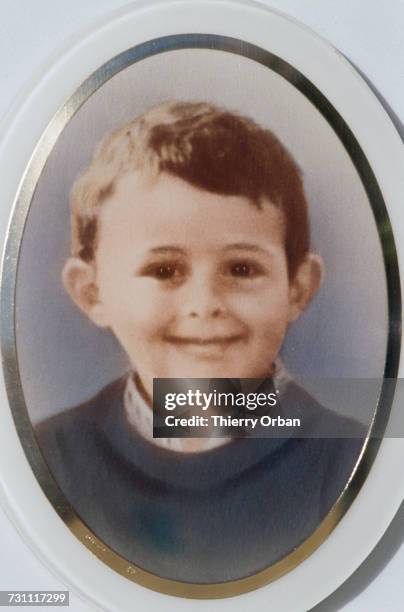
(203, 298)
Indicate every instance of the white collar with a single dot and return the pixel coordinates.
(140, 416)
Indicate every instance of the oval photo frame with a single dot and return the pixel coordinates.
(376, 197)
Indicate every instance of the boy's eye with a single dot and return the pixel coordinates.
(245, 269)
(165, 271)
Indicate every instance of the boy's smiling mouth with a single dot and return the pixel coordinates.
(201, 346)
(202, 341)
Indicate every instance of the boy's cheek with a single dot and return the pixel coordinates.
(141, 323)
(130, 299)
(271, 307)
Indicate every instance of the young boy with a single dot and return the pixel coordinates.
(190, 241)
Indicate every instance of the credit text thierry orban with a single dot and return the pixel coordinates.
(195, 398)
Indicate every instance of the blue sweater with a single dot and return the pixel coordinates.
(202, 517)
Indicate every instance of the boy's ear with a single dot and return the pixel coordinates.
(79, 280)
(305, 284)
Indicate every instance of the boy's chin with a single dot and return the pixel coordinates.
(214, 371)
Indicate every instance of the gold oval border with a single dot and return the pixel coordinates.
(7, 317)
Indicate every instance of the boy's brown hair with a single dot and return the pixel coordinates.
(209, 147)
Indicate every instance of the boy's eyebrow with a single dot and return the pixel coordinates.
(167, 249)
(245, 246)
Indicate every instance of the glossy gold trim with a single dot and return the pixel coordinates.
(7, 316)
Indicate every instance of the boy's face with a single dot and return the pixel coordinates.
(193, 284)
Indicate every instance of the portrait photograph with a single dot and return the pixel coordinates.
(201, 217)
